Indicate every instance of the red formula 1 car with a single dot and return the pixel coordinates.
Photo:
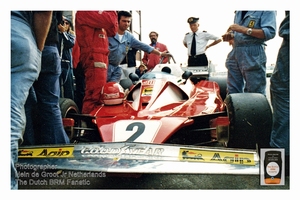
(170, 115)
(165, 106)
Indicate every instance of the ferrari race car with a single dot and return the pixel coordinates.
(173, 119)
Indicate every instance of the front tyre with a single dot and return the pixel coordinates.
(250, 118)
(67, 108)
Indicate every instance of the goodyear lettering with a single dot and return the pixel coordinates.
(60, 152)
(122, 150)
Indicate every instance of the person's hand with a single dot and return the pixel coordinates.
(227, 36)
(164, 54)
(61, 28)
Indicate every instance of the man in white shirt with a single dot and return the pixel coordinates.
(196, 51)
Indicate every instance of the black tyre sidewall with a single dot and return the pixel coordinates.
(67, 106)
(250, 118)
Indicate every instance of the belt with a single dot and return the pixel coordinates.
(52, 44)
(66, 61)
(248, 44)
(195, 56)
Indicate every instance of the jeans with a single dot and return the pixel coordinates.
(114, 73)
(30, 111)
(67, 82)
(246, 70)
(47, 89)
(25, 68)
(280, 99)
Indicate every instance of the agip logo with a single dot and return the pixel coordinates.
(212, 156)
(53, 152)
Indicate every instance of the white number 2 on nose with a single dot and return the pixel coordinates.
(135, 131)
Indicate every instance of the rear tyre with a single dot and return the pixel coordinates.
(250, 118)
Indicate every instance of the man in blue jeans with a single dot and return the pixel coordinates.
(49, 127)
(246, 62)
(28, 34)
(280, 94)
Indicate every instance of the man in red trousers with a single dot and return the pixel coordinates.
(92, 31)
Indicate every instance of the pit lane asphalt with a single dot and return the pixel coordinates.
(153, 181)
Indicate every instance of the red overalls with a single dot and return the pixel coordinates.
(92, 29)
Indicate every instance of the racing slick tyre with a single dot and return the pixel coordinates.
(68, 107)
(250, 117)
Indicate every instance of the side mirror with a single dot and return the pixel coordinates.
(126, 83)
(134, 77)
(187, 74)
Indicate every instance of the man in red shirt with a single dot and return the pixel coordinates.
(151, 60)
(92, 31)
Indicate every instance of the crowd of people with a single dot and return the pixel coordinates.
(102, 50)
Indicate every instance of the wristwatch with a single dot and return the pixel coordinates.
(249, 31)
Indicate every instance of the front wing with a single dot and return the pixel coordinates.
(124, 157)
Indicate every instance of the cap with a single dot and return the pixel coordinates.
(67, 19)
(192, 20)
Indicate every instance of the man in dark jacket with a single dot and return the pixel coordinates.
(65, 46)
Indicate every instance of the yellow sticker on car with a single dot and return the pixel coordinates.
(49, 152)
(224, 157)
(147, 91)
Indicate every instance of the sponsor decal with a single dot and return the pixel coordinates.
(50, 152)
(272, 166)
(224, 157)
(147, 91)
(251, 23)
(125, 152)
(127, 149)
